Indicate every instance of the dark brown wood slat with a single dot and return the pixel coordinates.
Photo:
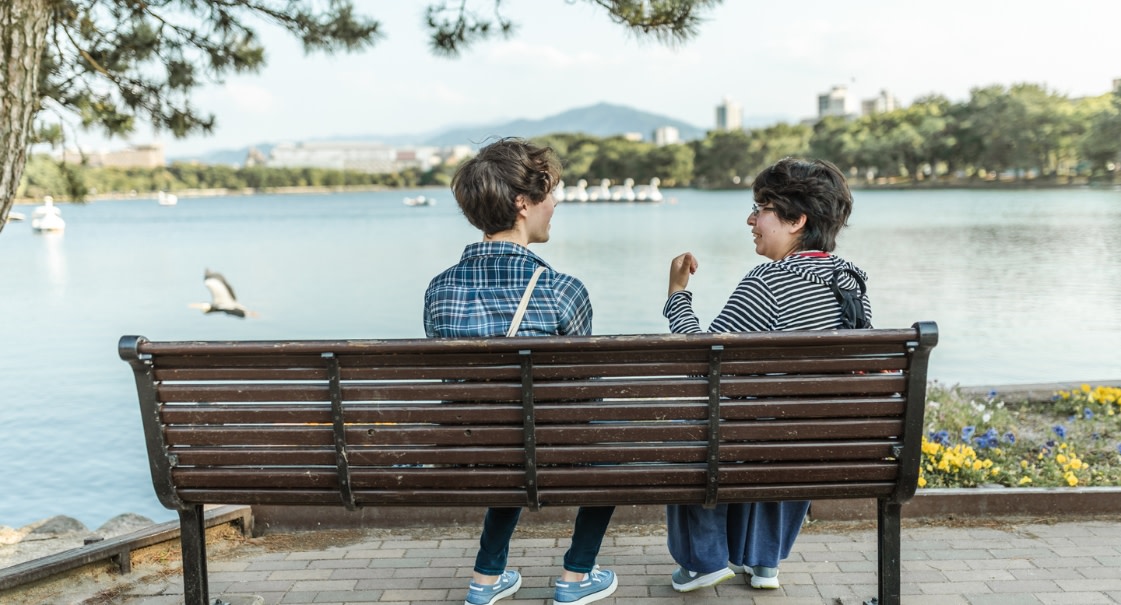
(754, 386)
(372, 456)
(549, 477)
(784, 430)
(256, 456)
(813, 338)
(551, 497)
(307, 368)
(679, 495)
(773, 430)
(474, 498)
(475, 413)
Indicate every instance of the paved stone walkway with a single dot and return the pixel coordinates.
(999, 562)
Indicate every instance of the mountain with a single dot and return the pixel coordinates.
(601, 120)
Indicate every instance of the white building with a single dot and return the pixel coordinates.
(666, 135)
(884, 103)
(137, 156)
(729, 115)
(833, 103)
(362, 157)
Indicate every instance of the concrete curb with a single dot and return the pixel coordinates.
(927, 504)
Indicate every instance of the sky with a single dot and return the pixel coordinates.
(773, 58)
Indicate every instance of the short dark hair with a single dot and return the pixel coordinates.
(488, 185)
(815, 188)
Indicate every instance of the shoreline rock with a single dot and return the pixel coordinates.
(58, 534)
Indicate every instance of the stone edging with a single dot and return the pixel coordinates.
(927, 504)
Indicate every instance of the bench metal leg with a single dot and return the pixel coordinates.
(192, 537)
(889, 546)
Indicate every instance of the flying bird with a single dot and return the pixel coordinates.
(222, 297)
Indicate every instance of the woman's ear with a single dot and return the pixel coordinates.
(799, 224)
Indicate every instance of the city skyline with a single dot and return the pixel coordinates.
(772, 62)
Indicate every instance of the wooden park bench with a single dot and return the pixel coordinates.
(533, 422)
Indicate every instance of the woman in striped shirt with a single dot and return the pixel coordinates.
(800, 207)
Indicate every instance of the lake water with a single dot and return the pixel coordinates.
(1023, 284)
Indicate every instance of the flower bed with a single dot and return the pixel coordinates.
(1072, 440)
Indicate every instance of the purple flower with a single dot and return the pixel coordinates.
(989, 439)
(992, 394)
(1061, 431)
(967, 432)
(942, 437)
(1009, 437)
(1088, 414)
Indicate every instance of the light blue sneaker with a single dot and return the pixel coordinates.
(481, 594)
(598, 584)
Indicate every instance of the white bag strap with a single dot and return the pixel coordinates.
(524, 302)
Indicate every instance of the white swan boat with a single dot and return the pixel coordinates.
(420, 200)
(167, 199)
(649, 193)
(47, 217)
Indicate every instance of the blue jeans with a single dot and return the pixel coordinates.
(757, 534)
(499, 524)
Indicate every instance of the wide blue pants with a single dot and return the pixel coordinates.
(499, 524)
(756, 534)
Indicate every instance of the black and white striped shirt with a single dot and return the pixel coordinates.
(788, 294)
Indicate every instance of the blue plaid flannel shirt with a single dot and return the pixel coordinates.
(479, 295)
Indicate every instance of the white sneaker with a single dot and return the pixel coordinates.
(764, 577)
(685, 580)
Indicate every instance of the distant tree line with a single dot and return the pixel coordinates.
(45, 175)
(1021, 132)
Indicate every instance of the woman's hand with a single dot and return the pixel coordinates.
(680, 268)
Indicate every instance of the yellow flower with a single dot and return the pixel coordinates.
(1076, 464)
(1061, 459)
(922, 481)
(1071, 479)
(988, 463)
(1024, 480)
(978, 465)
(1085, 388)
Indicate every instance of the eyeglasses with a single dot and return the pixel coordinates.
(756, 209)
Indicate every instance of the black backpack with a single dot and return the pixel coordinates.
(852, 305)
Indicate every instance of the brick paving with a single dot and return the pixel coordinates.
(1002, 562)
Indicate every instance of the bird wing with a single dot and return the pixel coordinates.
(221, 294)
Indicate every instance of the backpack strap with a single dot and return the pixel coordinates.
(851, 301)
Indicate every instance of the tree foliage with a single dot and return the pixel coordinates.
(116, 62)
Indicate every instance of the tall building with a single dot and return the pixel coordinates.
(882, 104)
(729, 115)
(666, 135)
(833, 103)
